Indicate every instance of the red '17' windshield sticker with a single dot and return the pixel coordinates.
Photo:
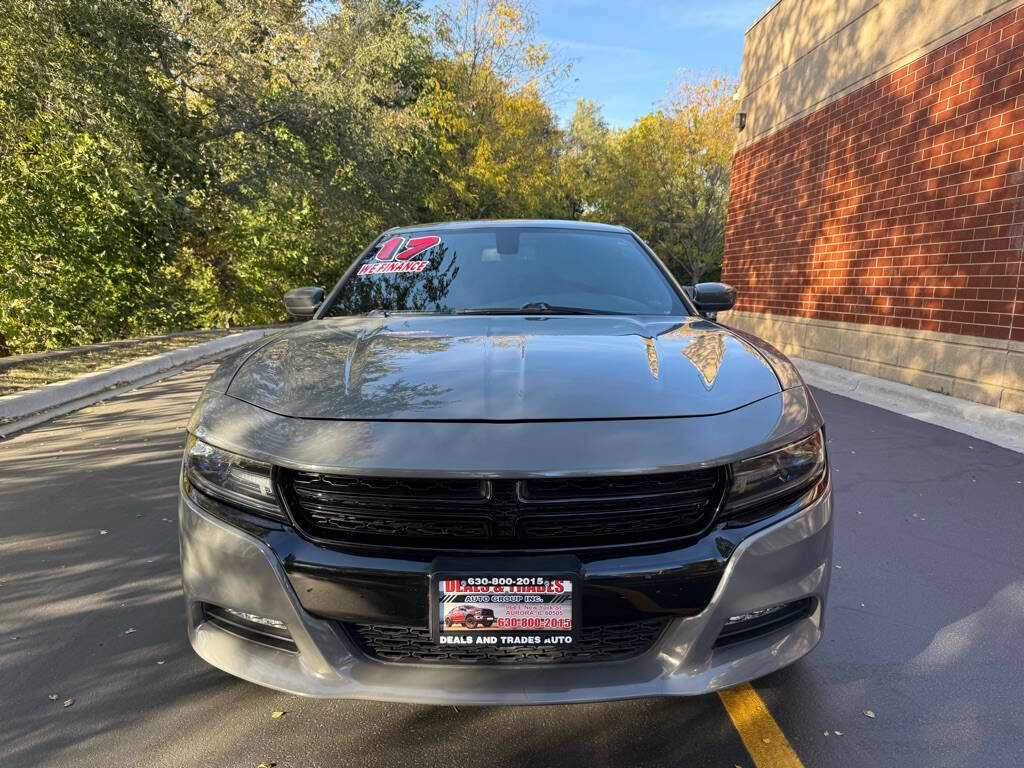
(396, 254)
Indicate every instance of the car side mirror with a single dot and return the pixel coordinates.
(304, 302)
(712, 298)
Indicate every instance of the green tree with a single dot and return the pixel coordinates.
(497, 138)
(700, 116)
(96, 160)
(584, 153)
(315, 135)
(172, 163)
(667, 177)
(634, 177)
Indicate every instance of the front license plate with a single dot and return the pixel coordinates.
(505, 610)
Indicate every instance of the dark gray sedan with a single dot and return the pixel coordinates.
(531, 418)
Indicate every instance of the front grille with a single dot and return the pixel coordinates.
(503, 514)
(413, 645)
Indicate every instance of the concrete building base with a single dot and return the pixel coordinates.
(987, 371)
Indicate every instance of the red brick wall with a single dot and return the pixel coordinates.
(899, 204)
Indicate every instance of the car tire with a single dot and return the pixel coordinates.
(447, 622)
(488, 622)
(470, 623)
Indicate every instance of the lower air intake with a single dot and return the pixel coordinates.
(413, 645)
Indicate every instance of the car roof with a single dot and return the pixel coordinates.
(450, 226)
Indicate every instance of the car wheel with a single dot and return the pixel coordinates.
(470, 623)
(447, 621)
(488, 622)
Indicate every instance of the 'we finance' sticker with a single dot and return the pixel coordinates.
(399, 254)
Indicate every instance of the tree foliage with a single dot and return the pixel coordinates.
(169, 164)
(666, 176)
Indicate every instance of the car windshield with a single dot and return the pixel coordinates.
(508, 270)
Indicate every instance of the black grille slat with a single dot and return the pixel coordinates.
(413, 645)
(597, 526)
(358, 486)
(478, 514)
(624, 486)
(394, 525)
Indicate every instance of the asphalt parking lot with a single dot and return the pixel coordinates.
(925, 627)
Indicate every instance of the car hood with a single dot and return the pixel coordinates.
(503, 368)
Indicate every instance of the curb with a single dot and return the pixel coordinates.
(995, 425)
(33, 406)
(49, 354)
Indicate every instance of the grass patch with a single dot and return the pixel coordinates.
(17, 377)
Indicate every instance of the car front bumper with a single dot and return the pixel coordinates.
(786, 561)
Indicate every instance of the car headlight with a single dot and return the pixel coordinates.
(762, 479)
(232, 478)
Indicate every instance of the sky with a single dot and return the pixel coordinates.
(627, 53)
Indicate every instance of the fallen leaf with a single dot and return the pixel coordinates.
(68, 702)
(129, 630)
(766, 740)
(838, 733)
(160, 662)
(277, 714)
(826, 733)
(266, 765)
(52, 697)
(103, 532)
(869, 713)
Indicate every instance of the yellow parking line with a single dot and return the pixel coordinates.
(761, 735)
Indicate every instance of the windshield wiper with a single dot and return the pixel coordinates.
(533, 308)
